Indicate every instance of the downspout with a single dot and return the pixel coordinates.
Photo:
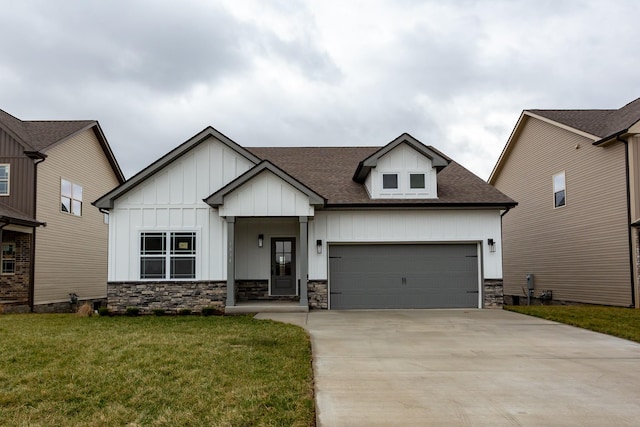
(32, 272)
(630, 231)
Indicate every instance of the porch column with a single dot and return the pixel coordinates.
(231, 261)
(304, 260)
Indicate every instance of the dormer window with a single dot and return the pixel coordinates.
(416, 181)
(390, 181)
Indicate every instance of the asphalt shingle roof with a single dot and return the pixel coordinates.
(601, 123)
(329, 172)
(38, 135)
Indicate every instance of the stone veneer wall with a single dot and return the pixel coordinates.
(493, 293)
(15, 287)
(258, 290)
(169, 296)
(318, 293)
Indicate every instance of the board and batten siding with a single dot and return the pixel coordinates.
(21, 175)
(266, 195)
(402, 160)
(172, 200)
(71, 251)
(579, 251)
(405, 226)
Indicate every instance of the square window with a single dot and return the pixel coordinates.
(416, 181)
(390, 181)
(152, 268)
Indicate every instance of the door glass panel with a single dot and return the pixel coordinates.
(283, 258)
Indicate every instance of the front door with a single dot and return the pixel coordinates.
(283, 266)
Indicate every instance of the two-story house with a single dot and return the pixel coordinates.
(54, 243)
(213, 223)
(576, 176)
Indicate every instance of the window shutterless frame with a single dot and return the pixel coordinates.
(167, 255)
(5, 179)
(559, 190)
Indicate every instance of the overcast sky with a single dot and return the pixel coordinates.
(455, 74)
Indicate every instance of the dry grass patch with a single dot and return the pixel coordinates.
(66, 370)
(617, 321)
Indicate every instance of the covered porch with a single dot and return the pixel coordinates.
(266, 213)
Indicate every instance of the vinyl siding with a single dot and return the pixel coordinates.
(579, 251)
(405, 226)
(21, 175)
(172, 200)
(71, 251)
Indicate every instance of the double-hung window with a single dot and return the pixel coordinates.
(70, 197)
(8, 258)
(559, 190)
(4, 179)
(168, 255)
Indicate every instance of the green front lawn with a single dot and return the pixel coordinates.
(65, 370)
(617, 321)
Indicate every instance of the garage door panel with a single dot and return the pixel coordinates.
(403, 276)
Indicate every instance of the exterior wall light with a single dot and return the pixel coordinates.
(260, 240)
(319, 246)
(492, 245)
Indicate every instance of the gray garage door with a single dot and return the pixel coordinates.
(403, 276)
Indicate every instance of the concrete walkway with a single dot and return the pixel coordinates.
(467, 368)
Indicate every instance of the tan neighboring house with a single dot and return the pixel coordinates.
(54, 243)
(576, 177)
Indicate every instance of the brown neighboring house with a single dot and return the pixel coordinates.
(576, 177)
(54, 243)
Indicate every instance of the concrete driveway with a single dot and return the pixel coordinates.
(467, 368)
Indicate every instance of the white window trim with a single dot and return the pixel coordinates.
(2, 259)
(72, 198)
(397, 190)
(415, 191)
(8, 179)
(564, 182)
(168, 232)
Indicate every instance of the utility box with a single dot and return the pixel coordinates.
(529, 277)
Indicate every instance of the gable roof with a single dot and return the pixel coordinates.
(603, 124)
(438, 160)
(217, 198)
(106, 201)
(37, 136)
(599, 125)
(326, 175)
(329, 171)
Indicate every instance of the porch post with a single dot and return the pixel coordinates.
(304, 260)
(231, 262)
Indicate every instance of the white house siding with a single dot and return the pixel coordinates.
(402, 160)
(406, 226)
(252, 262)
(171, 200)
(266, 195)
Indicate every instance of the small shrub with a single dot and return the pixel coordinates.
(184, 312)
(85, 310)
(212, 311)
(159, 311)
(104, 311)
(132, 311)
